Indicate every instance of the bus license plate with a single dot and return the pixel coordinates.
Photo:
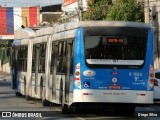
(114, 87)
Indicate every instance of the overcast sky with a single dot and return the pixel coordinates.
(11, 3)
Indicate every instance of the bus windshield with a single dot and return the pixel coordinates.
(115, 50)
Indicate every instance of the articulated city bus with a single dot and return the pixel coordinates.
(21, 61)
(107, 63)
(28, 59)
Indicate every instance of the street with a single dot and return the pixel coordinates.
(19, 107)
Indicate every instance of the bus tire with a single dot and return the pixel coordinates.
(65, 109)
(18, 94)
(28, 97)
(45, 103)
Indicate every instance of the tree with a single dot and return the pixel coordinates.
(126, 10)
(117, 10)
(98, 10)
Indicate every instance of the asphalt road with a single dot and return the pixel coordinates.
(12, 107)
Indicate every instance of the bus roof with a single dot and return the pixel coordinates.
(45, 31)
(64, 35)
(23, 33)
(86, 24)
(20, 42)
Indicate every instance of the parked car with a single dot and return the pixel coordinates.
(156, 94)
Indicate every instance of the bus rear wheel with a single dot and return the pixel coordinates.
(65, 109)
(28, 97)
(46, 103)
(18, 94)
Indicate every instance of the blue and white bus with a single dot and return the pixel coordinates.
(101, 62)
(106, 63)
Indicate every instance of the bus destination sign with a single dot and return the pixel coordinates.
(115, 40)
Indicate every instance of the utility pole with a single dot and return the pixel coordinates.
(146, 11)
(80, 10)
(158, 34)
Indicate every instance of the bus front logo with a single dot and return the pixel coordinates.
(89, 73)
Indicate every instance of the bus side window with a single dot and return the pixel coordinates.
(64, 59)
(16, 57)
(23, 52)
(52, 57)
(19, 60)
(33, 58)
(61, 61)
(42, 56)
(59, 58)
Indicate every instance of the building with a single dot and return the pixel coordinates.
(11, 18)
(50, 14)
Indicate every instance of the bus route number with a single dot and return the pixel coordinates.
(135, 74)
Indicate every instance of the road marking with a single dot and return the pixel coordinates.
(100, 117)
(76, 117)
(57, 109)
(80, 118)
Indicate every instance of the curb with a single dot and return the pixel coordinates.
(4, 73)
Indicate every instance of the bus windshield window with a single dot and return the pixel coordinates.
(115, 50)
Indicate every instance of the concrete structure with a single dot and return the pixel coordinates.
(50, 14)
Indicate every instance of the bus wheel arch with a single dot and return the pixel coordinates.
(17, 93)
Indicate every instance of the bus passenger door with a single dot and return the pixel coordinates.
(36, 70)
(35, 67)
(52, 80)
(68, 71)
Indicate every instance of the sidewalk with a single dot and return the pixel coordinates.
(4, 73)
